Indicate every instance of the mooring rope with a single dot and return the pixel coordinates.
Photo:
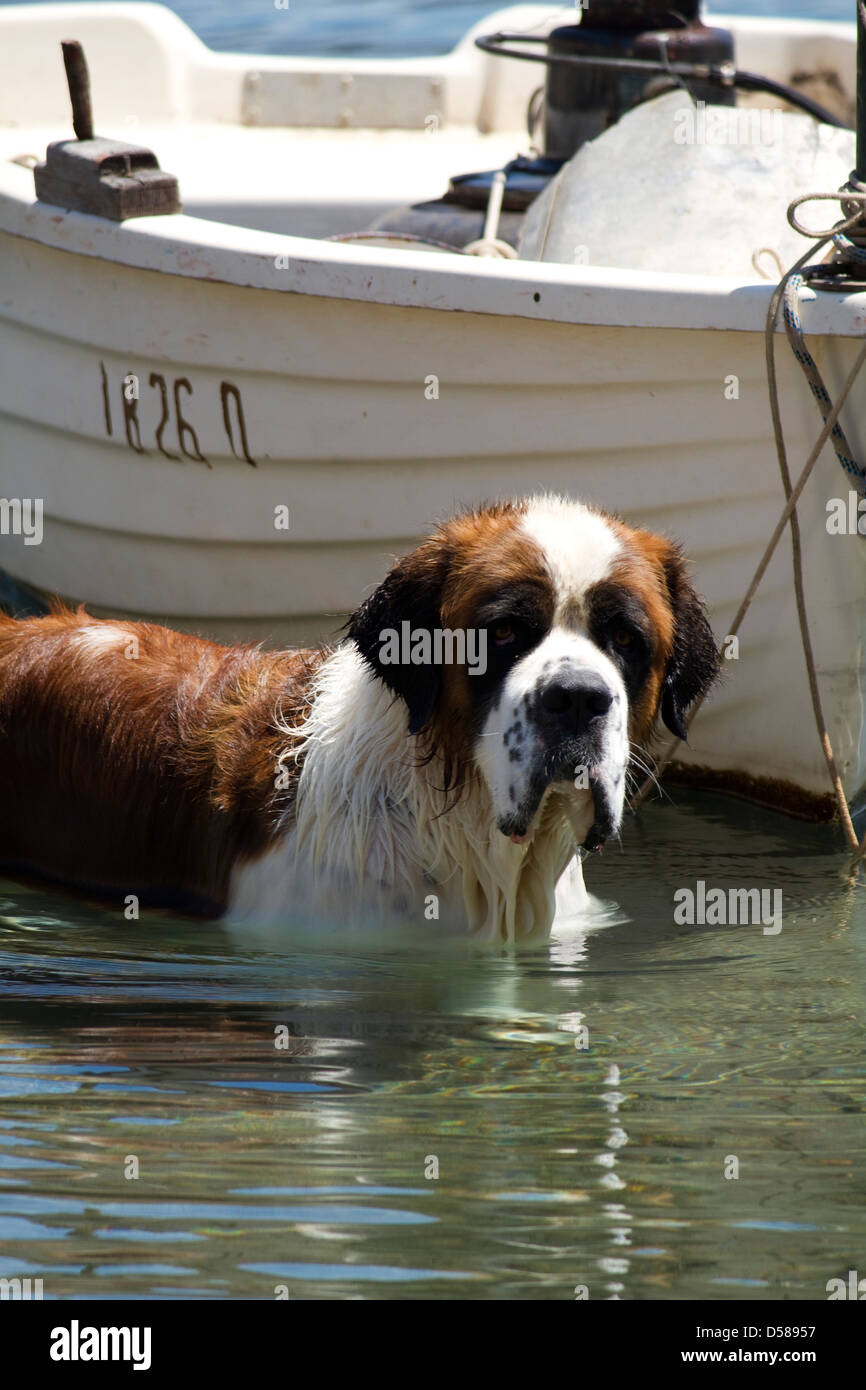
(797, 552)
(852, 250)
(794, 331)
(830, 413)
(849, 198)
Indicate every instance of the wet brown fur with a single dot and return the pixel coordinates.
(147, 767)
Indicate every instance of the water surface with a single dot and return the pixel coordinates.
(310, 1167)
(394, 27)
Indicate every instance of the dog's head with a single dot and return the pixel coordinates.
(531, 641)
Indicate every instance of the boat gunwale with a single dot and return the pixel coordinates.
(195, 248)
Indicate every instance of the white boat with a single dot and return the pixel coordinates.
(371, 388)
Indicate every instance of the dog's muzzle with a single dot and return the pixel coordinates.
(571, 718)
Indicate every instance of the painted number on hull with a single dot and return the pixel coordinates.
(172, 399)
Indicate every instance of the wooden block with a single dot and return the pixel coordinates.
(107, 178)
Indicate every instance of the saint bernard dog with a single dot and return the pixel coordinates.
(361, 782)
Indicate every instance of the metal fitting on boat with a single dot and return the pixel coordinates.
(581, 101)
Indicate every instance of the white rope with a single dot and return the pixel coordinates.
(787, 517)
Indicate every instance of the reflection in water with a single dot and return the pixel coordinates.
(612, 1099)
(183, 1113)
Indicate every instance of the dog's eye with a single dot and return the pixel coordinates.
(622, 639)
(504, 634)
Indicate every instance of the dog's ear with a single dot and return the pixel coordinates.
(694, 661)
(411, 593)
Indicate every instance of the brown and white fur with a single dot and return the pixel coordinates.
(267, 787)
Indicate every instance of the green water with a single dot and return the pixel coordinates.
(308, 1168)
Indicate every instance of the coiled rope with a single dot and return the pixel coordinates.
(788, 290)
(795, 281)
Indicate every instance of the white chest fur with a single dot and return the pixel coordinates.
(367, 841)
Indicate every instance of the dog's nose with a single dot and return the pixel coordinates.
(577, 698)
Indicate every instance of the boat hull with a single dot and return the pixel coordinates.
(235, 431)
(364, 423)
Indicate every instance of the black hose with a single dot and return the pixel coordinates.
(753, 82)
(725, 76)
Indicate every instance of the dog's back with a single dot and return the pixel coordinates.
(138, 760)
